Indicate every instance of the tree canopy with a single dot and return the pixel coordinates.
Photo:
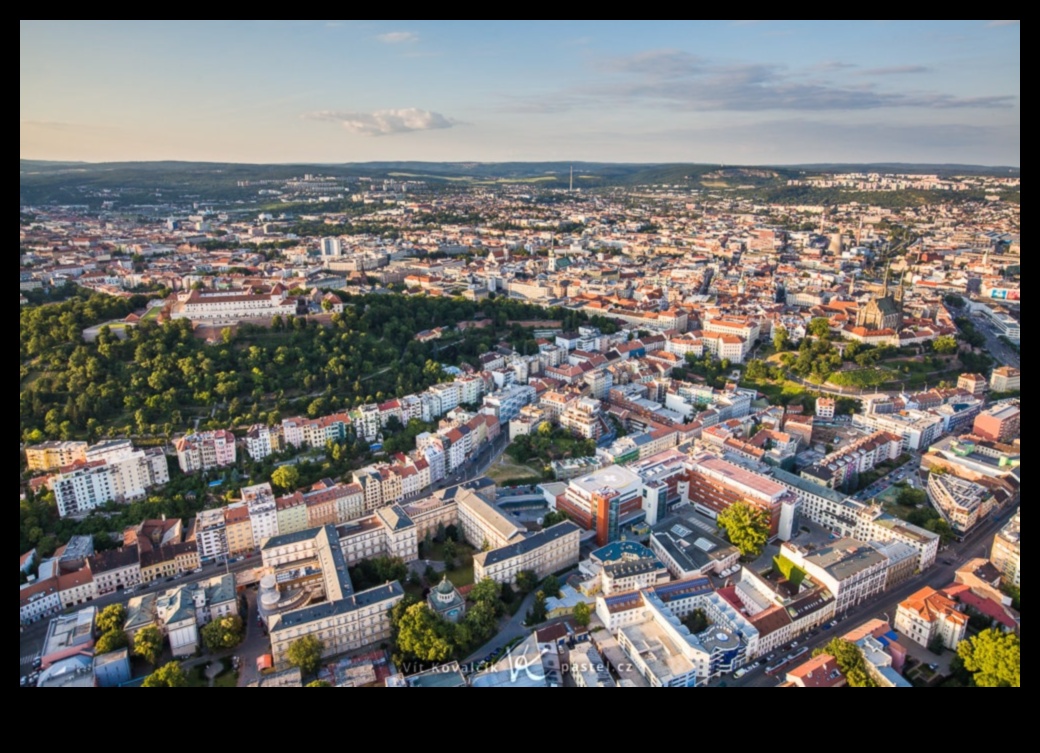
(423, 636)
(110, 641)
(994, 658)
(305, 653)
(148, 644)
(112, 617)
(850, 661)
(746, 526)
(223, 632)
(169, 675)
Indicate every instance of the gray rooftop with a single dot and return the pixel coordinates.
(532, 542)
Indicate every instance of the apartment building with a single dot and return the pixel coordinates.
(263, 512)
(1006, 379)
(851, 570)
(111, 471)
(50, 456)
(114, 569)
(262, 440)
(1000, 423)
(206, 450)
(238, 528)
(1006, 554)
(963, 504)
(211, 535)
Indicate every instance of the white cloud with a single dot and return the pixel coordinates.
(993, 24)
(384, 122)
(895, 70)
(398, 37)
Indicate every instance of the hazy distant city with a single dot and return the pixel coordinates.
(705, 374)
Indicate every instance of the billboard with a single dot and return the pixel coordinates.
(1004, 294)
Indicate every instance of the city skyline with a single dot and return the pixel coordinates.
(738, 92)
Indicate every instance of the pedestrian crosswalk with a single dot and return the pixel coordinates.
(27, 659)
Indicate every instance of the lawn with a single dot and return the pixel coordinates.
(151, 314)
(505, 469)
(462, 575)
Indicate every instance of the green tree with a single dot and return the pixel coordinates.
(945, 344)
(318, 684)
(538, 611)
(526, 581)
(994, 659)
(582, 614)
(486, 590)
(696, 621)
(169, 675)
(820, 326)
(110, 641)
(286, 477)
(910, 497)
(305, 653)
(148, 644)
(747, 528)
(551, 586)
(112, 617)
(424, 636)
(780, 341)
(850, 661)
(553, 517)
(224, 632)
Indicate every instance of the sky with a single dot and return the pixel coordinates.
(735, 92)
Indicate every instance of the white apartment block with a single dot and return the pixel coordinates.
(263, 512)
(211, 535)
(262, 440)
(851, 570)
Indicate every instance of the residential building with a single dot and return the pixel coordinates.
(819, 672)
(262, 440)
(929, 615)
(209, 449)
(1006, 379)
(263, 512)
(1000, 423)
(1006, 554)
(115, 569)
(851, 570)
(974, 383)
(211, 535)
(962, 504)
(825, 408)
(50, 456)
(238, 529)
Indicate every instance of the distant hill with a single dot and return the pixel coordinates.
(45, 182)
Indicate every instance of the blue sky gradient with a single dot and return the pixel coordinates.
(741, 92)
